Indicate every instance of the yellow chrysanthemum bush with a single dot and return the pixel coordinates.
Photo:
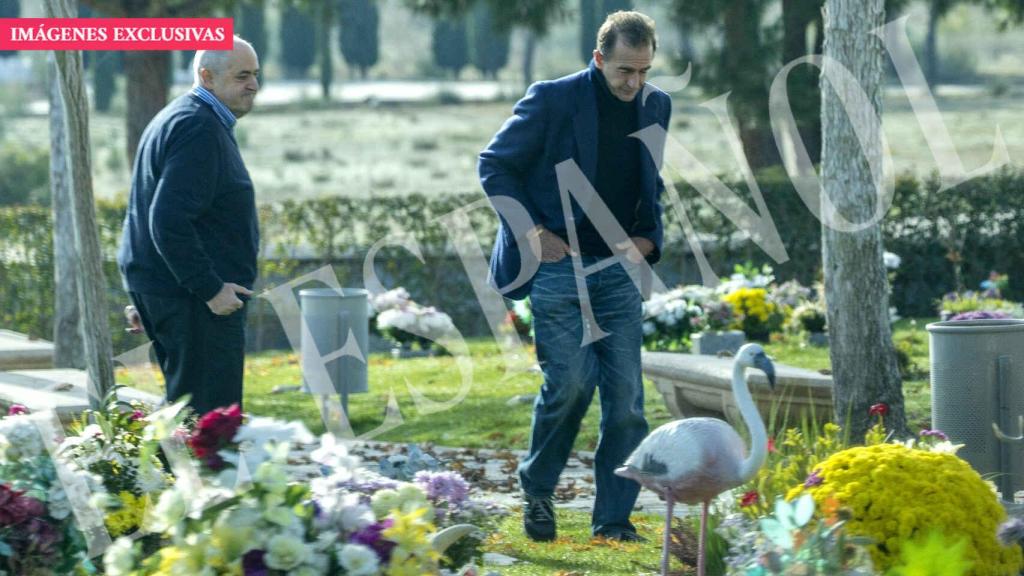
(896, 495)
(754, 313)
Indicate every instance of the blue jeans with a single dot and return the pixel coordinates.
(572, 371)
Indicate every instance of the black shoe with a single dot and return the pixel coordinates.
(539, 519)
(624, 536)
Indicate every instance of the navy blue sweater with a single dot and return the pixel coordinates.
(191, 222)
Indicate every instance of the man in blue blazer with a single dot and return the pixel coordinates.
(577, 192)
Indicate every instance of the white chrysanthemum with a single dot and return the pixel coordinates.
(891, 261)
(346, 511)
(119, 559)
(285, 552)
(358, 560)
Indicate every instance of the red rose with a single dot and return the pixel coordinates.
(749, 499)
(771, 445)
(16, 508)
(215, 430)
(880, 409)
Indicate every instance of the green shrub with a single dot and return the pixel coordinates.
(24, 175)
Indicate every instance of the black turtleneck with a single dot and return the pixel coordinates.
(618, 166)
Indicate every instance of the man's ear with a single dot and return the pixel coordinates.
(599, 59)
(206, 76)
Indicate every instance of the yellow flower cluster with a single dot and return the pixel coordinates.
(127, 517)
(414, 555)
(751, 302)
(897, 495)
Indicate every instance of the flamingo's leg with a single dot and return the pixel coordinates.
(668, 533)
(703, 538)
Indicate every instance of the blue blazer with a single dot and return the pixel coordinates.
(555, 121)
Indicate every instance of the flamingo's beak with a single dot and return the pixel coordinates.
(762, 363)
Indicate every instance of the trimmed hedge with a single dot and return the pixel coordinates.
(976, 223)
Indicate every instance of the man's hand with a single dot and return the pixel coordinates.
(134, 320)
(552, 247)
(636, 248)
(226, 301)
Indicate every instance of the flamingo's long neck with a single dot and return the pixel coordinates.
(758, 435)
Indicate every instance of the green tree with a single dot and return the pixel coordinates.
(450, 45)
(104, 78)
(148, 73)
(9, 9)
(298, 41)
(588, 28)
(360, 39)
(251, 24)
(490, 45)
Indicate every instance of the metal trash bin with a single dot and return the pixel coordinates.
(977, 380)
(335, 343)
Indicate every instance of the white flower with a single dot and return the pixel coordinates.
(19, 439)
(271, 477)
(946, 447)
(345, 511)
(57, 502)
(285, 552)
(119, 559)
(334, 455)
(891, 261)
(648, 328)
(358, 560)
(169, 510)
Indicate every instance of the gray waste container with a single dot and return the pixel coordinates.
(335, 346)
(977, 380)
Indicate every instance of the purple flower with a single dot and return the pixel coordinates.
(372, 537)
(813, 479)
(16, 409)
(937, 434)
(253, 565)
(980, 315)
(440, 487)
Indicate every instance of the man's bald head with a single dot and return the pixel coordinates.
(231, 75)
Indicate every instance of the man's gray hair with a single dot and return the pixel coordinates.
(215, 61)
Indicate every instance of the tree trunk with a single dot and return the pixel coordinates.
(147, 81)
(92, 284)
(67, 339)
(746, 72)
(863, 357)
(804, 92)
(936, 9)
(529, 47)
(326, 62)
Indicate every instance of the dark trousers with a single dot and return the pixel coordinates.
(200, 353)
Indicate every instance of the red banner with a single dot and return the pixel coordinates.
(116, 33)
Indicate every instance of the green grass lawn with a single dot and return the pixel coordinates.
(484, 418)
(575, 552)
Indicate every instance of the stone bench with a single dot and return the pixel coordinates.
(699, 385)
(19, 352)
(60, 390)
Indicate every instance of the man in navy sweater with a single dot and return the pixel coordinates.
(589, 259)
(191, 235)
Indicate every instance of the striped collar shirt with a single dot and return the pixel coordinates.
(225, 115)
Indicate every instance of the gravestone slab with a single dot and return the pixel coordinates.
(19, 352)
(699, 385)
(61, 390)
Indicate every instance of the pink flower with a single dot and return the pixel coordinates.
(137, 415)
(16, 409)
(771, 445)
